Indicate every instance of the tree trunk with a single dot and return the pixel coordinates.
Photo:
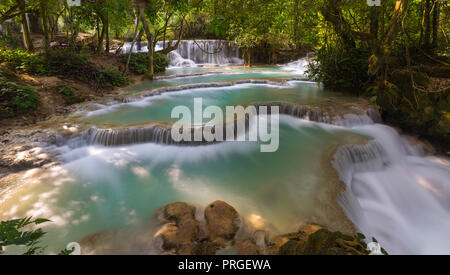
(107, 47)
(44, 14)
(74, 28)
(150, 47)
(427, 32)
(435, 24)
(102, 35)
(139, 39)
(132, 43)
(25, 28)
(374, 20)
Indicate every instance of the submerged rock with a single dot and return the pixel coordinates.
(248, 247)
(221, 219)
(184, 233)
(181, 229)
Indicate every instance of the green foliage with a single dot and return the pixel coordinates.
(139, 62)
(112, 78)
(13, 232)
(65, 63)
(68, 63)
(25, 98)
(22, 60)
(69, 95)
(20, 232)
(65, 91)
(16, 97)
(341, 69)
(66, 251)
(160, 62)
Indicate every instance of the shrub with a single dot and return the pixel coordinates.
(139, 62)
(66, 63)
(111, 78)
(340, 68)
(22, 60)
(69, 95)
(160, 62)
(25, 98)
(16, 97)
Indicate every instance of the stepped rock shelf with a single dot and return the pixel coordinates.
(101, 172)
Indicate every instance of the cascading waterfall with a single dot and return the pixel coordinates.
(191, 53)
(162, 135)
(395, 193)
(300, 111)
(299, 66)
(218, 52)
(155, 134)
(129, 136)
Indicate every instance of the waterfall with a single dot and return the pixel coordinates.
(299, 66)
(395, 193)
(217, 52)
(300, 111)
(162, 135)
(191, 53)
(129, 136)
(156, 134)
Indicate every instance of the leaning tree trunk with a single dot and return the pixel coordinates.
(427, 32)
(435, 24)
(150, 71)
(44, 14)
(25, 28)
(102, 34)
(132, 43)
(107, 47)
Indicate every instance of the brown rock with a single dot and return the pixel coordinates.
(308, 228)
(221, 219)
(181, 230)
(247, 247)
(179, 211)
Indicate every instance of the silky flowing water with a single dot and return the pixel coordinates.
(355, 175)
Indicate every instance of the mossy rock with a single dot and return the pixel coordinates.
(292, 247)
(205, 248)
(325, 242)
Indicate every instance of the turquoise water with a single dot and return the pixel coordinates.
(158, 108)
(117, 188)
(99, 188)
(211, 75)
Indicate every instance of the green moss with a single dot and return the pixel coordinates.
(292, 247)
(325, 242)
(205, 248)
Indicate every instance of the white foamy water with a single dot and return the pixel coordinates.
(190, 53)
(395, 193)
(300, 66)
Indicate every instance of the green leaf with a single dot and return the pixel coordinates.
(39, 221)
(360, 236)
